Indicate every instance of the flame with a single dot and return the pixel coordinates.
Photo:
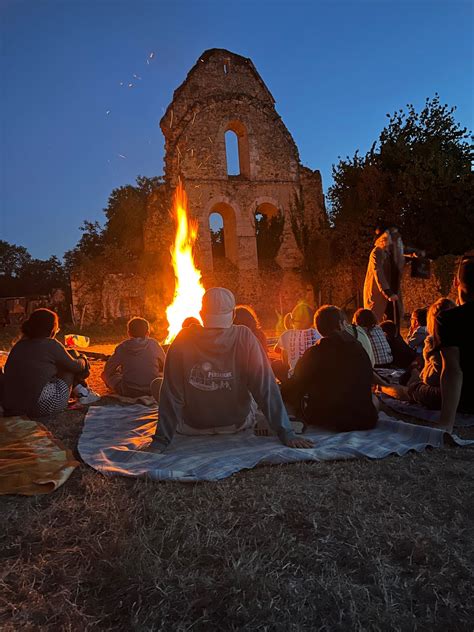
(189, 290)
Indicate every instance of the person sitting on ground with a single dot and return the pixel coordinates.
(366, 319)
(245, 315)
(214, 378)
(294, 342)
(417, 332)
(135, 363)
(40, 372)
(454, 334)
(403, 355)
(190, 320)
(332, 383)
(424, 388)
(360, 335)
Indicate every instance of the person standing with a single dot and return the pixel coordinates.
(378, 290)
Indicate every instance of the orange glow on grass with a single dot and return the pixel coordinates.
(189, 290)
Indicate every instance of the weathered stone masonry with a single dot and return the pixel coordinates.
(223, 92)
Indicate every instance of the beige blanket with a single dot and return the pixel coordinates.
(32, 461)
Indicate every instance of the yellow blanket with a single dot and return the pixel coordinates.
(32, 461)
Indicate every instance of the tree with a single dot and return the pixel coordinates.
(269, 235)
(12, 259)
(417, 176)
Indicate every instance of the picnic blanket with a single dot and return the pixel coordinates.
(419, 412)
(112, 435)
(32, 461)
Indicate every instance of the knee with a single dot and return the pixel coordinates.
(155, 388)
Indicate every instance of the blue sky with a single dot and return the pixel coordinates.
(334, 68)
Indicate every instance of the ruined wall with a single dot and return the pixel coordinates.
(223, 92)
(343, 286)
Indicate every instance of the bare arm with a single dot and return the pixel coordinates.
(451, 385)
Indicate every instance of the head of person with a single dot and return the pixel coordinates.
(329, 319)
(418, 318)
(190, 320)
(42, 323)
(245, 315)
(218, 305)
(389, 328)
(302, 316)
(138, 328)
(441, 305)
(364, 318)
(465, 279)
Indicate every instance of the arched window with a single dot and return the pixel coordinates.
(223, 229)
(216, 225)
(269, 223)
(237, 149)
(232, 153)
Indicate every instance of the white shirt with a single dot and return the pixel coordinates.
(295, 342)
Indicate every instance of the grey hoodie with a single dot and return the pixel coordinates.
(138, 359)
(210, 378)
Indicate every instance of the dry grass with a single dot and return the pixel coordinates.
(360, 545)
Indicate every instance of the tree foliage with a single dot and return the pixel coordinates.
(417, 175)
(22, 275)
(269, 235)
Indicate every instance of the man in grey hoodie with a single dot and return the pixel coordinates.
(135, 363)
(214, 378)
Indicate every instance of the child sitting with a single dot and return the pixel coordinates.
(332, 383)
(294, 342)
(403, 355)
(417, 332)
(366, 319)
(245, 315)
(135, 363)
(424, 388)
(40, 373)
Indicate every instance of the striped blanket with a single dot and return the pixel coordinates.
(112, 436)
(418, 412)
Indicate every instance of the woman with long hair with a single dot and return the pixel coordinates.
(40, 373)
(246, 315)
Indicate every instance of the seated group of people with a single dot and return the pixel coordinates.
(215, 376)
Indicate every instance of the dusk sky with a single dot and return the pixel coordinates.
(334, 68)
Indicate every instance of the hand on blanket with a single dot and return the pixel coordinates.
(299, 443)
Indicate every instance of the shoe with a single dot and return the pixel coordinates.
(90, 398)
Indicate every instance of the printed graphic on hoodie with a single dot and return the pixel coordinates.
(204, 378)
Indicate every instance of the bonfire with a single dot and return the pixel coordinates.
(189, 290)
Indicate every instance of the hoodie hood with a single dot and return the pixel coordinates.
(134, 346)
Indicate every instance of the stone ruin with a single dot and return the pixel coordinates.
(223, 95)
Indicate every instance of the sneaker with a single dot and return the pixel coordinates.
(80, 390)
(89, 398)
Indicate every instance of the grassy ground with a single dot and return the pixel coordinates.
(359, 545)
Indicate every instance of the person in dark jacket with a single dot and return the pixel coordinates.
(40, 372)
(135, 363)
(403, 355)
(332, 382)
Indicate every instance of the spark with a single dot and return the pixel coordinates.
(137, 77)
(210, 140)
(130, 85)
(108, 112)
(122, 156)
(121, 83)
(194, 118)
(171, 120)
(151, 55)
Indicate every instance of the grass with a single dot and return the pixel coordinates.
(354, 545)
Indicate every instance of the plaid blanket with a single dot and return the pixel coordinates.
(418, 412)
(112, 436)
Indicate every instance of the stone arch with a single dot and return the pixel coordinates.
(227, 212)
(240, 130)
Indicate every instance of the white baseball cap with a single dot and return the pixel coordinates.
(218, 305)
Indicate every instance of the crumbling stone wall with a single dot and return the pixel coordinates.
(223, 92)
